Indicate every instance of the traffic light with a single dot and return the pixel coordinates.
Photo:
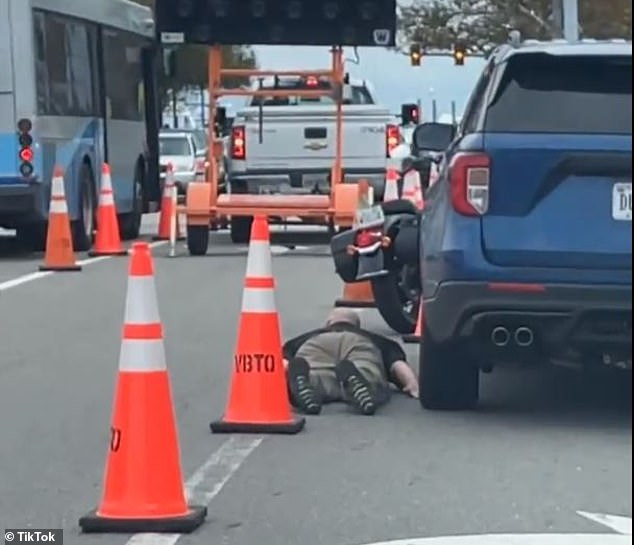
(459, 54)
(25, 154)
(220, 123)
(410, 114)
(415, 54)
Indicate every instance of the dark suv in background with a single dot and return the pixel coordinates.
(526, 239)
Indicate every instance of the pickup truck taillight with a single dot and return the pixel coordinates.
(392, 138)
(367, 237)
(469, 175)
(238, 142)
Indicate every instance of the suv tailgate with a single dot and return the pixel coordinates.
(306, 136)
(561, 165)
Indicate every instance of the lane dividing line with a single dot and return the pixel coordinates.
(207, 482)
(18, 281)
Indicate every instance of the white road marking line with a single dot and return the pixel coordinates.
(24, 279)
(515, 539)
(208, 481)
(620, 524)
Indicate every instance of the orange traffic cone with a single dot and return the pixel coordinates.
(108, 240)
(168, 208)
(143, 486)
(413, 189)
(418, 331)
(59, 255)
(391, 185)
(258, 397)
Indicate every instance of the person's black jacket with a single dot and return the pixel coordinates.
(390, 350)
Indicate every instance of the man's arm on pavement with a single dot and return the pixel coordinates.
(405, 377)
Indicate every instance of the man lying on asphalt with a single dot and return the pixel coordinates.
(343, 362)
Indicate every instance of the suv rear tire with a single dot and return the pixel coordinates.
(240, 229)
(448, 379)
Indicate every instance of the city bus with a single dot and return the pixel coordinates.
(77, 90)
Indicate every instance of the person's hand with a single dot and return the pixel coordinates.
(411, 388)
(285, 363)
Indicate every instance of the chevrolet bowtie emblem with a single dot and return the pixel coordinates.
(314, 146)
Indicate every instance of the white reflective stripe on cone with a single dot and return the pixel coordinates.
(106, 182)
(258, 300)
(259, 260)
(58, 207)
(141, 306)
(142, 355)
(106, 199)
(57, 186)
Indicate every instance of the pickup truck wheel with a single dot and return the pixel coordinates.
(240, 229)
(197, 239)
(398, 309)
(32, 236)
(448, 379)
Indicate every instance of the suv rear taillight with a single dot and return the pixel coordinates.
(368, 237)
(392, 138)
(469, 175)
(238, 142)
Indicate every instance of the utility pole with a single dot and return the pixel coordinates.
(558, 18)
(571, 20)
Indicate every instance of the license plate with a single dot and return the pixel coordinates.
(622, 201)
(369, 217)
(312, 180)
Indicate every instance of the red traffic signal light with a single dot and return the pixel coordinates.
(410, 114)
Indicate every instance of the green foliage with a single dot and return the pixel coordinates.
(438, 24)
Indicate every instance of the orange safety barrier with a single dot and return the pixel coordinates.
(108, 238)
(204, 205)
(258, 397)
(59, 255)
(143, 483)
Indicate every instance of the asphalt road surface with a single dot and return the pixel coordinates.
(545, 444)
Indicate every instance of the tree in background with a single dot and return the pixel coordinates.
(192, 62)
(438, 24)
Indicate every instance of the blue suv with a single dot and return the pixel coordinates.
(526, 238)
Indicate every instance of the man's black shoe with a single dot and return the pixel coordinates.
(357, 388)
(303, 394)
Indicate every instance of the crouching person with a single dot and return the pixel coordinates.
(343, 362)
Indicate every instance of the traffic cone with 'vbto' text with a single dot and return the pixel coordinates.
(143, 486)
(258, 396)
(108, 239)
(59, 255)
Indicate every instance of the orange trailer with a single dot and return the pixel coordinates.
(203, 203)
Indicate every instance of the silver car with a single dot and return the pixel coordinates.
(179, 149)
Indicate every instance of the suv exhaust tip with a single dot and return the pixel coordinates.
(524, 336)
(500, 336)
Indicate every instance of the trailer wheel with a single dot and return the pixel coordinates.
(197, 239)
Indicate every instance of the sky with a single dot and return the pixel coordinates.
(394, 80)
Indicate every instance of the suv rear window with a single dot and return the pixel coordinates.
(558, 94)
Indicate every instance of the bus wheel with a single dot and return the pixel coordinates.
(197, 239)
(130, 223)
(83, 227)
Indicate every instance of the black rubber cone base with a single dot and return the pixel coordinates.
(94, 253)
(69, 268)
(411, 339)
(93, 523)
(287, 428)
(344, 303)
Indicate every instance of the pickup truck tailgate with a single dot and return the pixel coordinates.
(305, 139)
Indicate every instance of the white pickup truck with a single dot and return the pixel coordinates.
(287, 145)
